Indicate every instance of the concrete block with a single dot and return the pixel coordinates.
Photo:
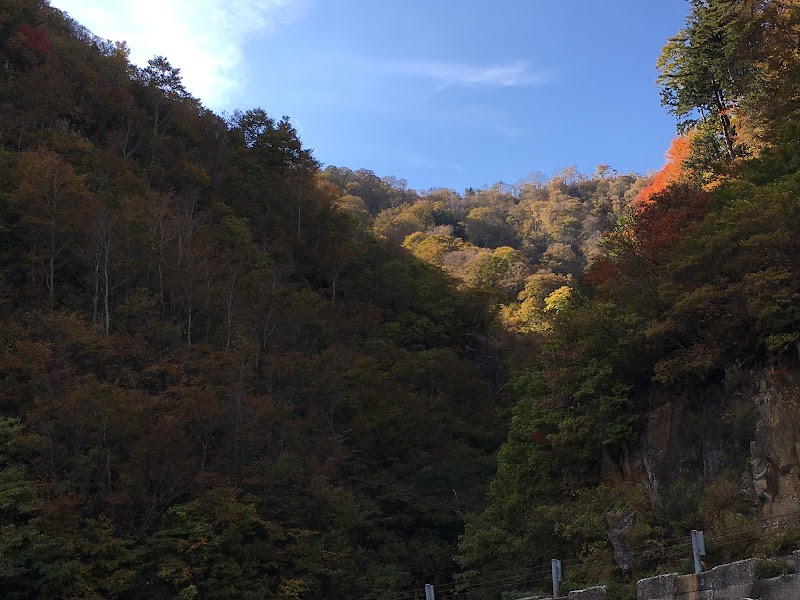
(734, 581)
(592, 593)
(661, 587)
(778, 588)
(726, 582)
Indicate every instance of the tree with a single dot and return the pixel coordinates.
(235, 380)
(531, 312)
(164, 89)
(486, 227)
(504, 270)
(161, 75)
(674, 170)
(51, 199)
(776, 97)
(104, 238)
(705, 69)
(35, 564)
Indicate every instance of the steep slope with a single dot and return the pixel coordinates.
(214, 384)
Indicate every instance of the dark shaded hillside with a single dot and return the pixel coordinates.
(213, 383)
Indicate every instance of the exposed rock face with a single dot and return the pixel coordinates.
(759, 469)
(715, 452)
(776, 450)
(773, 474)
(618, 536)
(693, 434)
(661, 441)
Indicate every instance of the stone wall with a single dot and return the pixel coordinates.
(735, 581)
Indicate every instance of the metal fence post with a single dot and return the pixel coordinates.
(555, 567)
(698, 549)
(429, 592)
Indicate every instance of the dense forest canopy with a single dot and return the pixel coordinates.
(698, 278)
(226, 372)
(215, 382)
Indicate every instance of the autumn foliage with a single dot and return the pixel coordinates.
(664, 211)
(674, 171)
(213, 382)
(221, 376)
(35, 39)
(672, 214)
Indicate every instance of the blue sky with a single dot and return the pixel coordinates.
(442, 93)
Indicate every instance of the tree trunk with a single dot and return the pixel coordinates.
(106, 284)
(725, 124)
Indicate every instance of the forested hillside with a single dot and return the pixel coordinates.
(226, 372)
(639, 420)
(515, 243)
(214, 382)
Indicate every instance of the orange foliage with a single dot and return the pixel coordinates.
(672, 172)
(670, 206)
(646, 244)
(669, 216)
(663, 213)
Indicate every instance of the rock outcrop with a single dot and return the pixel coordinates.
(672, 433)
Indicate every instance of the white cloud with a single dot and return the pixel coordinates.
(387, 85)
(445, 74)
(204, 38)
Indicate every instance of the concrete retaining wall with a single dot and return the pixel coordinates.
(734, 581)
(592, 593)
